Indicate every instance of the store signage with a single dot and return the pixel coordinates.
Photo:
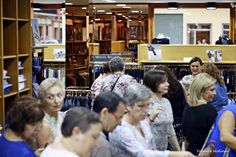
(103, 57)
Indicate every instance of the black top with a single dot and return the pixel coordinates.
(177, 100)
(197, 122)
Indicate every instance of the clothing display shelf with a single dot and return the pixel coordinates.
(15, 53)
(38, 63)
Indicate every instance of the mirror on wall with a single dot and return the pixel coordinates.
(119, 28)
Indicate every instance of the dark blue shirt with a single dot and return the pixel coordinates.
(14, 148)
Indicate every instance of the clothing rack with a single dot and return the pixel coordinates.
(54, 69)
(77, 96)
(227, 71)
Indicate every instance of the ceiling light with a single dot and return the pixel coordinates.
(108, 13)
(84, 8)
(68, 3)
(211, 6)
(120, 5)
(37, 9)
(172, 6)
(110, 1)
(127, 7)
(100, 11)
(119, 14)
(135, 11)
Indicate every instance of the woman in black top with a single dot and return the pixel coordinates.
(199, 117)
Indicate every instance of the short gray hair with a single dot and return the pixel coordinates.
(136, 93)
(47, 84)
(116, 64)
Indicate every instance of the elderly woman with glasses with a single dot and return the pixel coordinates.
(134, 137)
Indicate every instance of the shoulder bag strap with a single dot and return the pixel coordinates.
(112, 88)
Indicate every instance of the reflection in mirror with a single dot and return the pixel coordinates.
(120, 27)
(50, 22)
(192, 26)
(77, 37)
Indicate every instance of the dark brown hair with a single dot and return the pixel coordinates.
(171, 79)
(196, 59)
(26, 110)
(153, 78)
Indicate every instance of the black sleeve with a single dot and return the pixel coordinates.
(184, 120)
(212, 114)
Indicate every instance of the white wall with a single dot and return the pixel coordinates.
(214, 17)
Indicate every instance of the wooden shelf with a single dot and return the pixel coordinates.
(10, 94)
(24, 90)
(23, 55)
(23, 20)
(53, 60)
(9, 19)
(9, 57)
(71, 42)
(15, 48)
(77, 68)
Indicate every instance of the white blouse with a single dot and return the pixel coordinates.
(126, 141)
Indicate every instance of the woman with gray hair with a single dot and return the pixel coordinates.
(118, 81)
(51, 93)
(134, 137)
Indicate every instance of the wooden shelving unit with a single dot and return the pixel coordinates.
(15, 47)
(77, 48)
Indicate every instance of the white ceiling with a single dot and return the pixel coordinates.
(136, 1)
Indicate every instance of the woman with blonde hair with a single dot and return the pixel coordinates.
(221, 99)
(199, 117)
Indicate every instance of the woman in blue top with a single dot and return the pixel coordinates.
(223, 137)
(221, 99)
(24, 120)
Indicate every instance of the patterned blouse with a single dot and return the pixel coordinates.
(162, 127)
(55, 124)
(96, 86)
(123, 82)
(126, 141)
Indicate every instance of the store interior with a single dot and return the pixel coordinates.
(71, 39)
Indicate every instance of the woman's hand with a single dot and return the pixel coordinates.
(39, 151)
(181, 154)
(155, 114)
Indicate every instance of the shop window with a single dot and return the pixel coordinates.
(199, 33)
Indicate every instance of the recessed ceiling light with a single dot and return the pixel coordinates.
(172, 6)
(211, 6)
(119, 14)
(68, 3)
(101, 11)
(120, 5)
(108, 13)
(37, 9)
(126, 7)
(84, 8)
(135, 11)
